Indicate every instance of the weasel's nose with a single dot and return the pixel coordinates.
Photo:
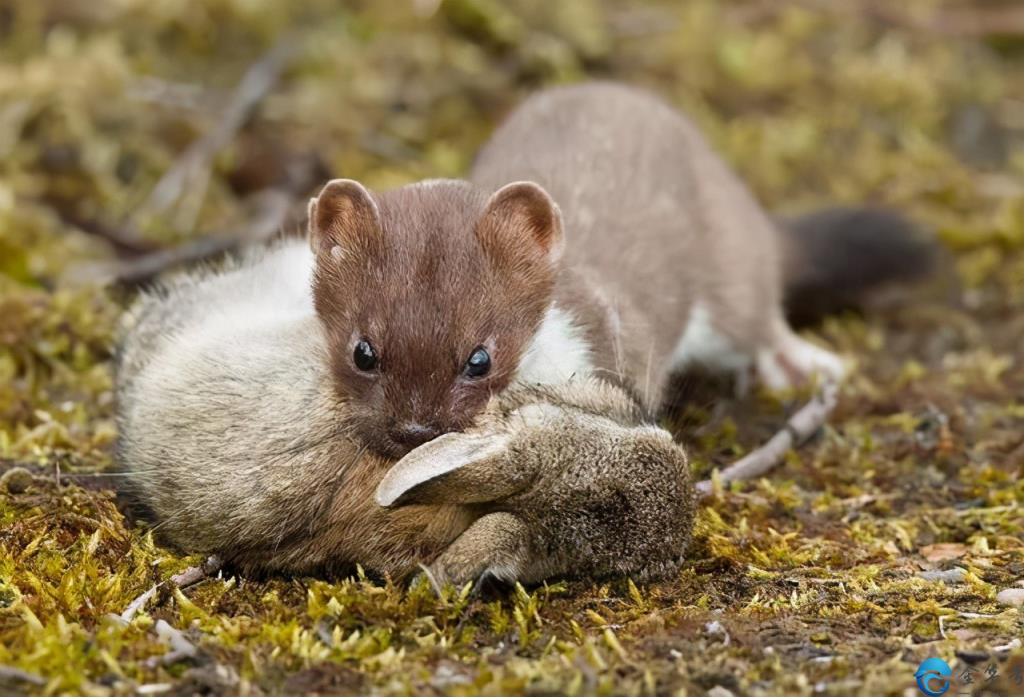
(412, 434)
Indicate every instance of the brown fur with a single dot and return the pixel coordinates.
(427, 273)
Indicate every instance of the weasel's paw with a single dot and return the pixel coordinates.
(795, 361)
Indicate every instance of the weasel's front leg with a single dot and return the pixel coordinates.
(494, 545)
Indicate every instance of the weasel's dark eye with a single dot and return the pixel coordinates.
(364, 356)
(479, 363)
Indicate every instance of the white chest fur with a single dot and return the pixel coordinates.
(558, 352)
(702, 344)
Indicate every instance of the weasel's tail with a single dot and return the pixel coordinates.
(834, 257)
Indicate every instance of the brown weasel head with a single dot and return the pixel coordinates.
(429, 294)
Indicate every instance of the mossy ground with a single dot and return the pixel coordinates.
(808, 582)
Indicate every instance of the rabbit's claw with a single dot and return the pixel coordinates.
(436, 580)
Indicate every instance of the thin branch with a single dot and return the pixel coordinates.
(86, 480)
(188, 577)
(10, 674)
(800, 427)
(274, 207)
(264, 226)
(184, 185)
(124, 239)
(191, 173)
(180, 647)
(133, 609)
(195, 574)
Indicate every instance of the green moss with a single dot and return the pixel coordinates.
(803, 583)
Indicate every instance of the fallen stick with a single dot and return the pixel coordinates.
(195, 574)
(133, 609)
(191, 173)
(125, 240)
(10, 674)
(274, 207)
(188, 577)
(269, 222)
(180, 647)
(91, 481)
(800, 427)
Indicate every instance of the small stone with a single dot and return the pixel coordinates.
(1014, 597)
(16, 480)
(719, 691)
(949, 576)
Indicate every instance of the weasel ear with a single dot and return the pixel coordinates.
(343, 214)
(456, 468)
(522, 213)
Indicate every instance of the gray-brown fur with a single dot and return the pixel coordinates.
(232, 438)
(669, 265)
(657, 226)
(568, 480)
(653, 218)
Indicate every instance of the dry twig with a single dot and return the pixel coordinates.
(180, 647)
(801, 426)
(188, 577)
(9, 674)
(273, 207)
(185, 183)
(269, 221)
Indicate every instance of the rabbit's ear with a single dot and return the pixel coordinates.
(456, 468)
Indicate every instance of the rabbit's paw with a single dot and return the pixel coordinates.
(495, 545)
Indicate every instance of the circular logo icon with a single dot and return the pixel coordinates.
(933, 676)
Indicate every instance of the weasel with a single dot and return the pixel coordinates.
(598, 234)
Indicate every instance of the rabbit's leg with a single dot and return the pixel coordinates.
(494, 545)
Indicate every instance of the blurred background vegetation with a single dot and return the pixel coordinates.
(99, 101)
(139, 133)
